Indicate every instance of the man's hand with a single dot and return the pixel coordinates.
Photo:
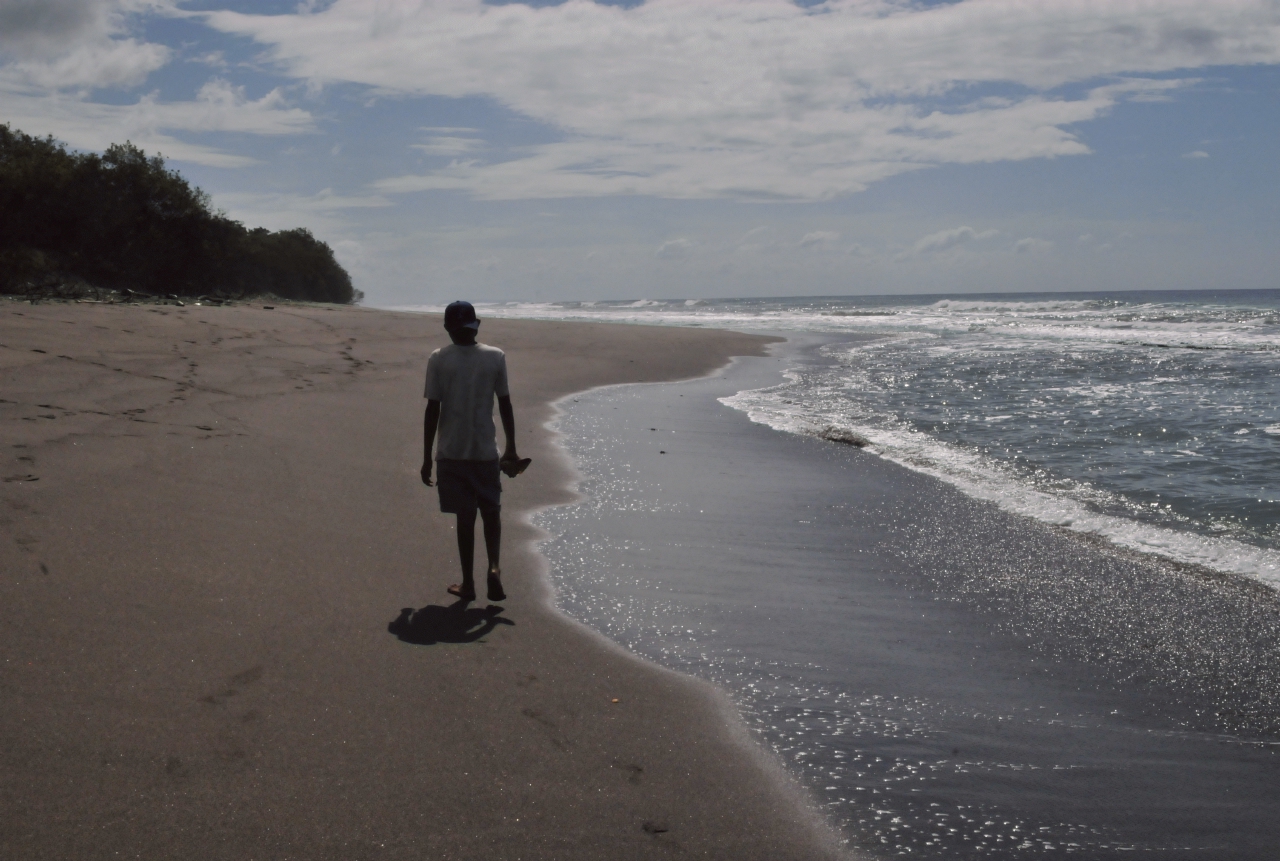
(426, 473)
(510, 462)
(513, 464)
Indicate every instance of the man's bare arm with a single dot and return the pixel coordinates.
(508, 417)
(430, 421)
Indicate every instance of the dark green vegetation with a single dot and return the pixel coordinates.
(81, 222)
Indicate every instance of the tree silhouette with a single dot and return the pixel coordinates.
(122, 220)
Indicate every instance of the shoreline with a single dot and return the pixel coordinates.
(224, 515)
(1006, 672)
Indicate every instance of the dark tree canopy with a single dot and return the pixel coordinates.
(122, 220)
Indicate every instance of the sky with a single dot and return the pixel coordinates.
(695, 148)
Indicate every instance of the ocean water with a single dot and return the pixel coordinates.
(949, 680)
(1149, 419)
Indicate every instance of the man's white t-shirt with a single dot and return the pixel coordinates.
(465, 380)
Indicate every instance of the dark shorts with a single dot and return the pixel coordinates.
(466, 485)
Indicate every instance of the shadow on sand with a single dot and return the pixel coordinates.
(456, 623)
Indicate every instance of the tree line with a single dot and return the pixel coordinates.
(123, 221)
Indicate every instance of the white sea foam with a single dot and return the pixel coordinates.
(989, 305)
(984, 478)
(1078, 322)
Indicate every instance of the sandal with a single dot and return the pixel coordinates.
(512, 468)
(495, 587)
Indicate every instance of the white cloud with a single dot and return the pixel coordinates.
(1031, 244)
(216, 59)
(754, 240)
(820, 240)
(54, 53)
(448, 145)
(1195, 154)
(60, 44)
(221, 107)
(113, 63)
(322, 201)
(34, 27)
(945, 239)
(321, 212)
(760, 99)
(674, 249)
(148, 123)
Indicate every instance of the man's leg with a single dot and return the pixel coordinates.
(492, 535)
(467, 551)
(493, 547)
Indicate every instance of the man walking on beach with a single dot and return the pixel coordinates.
(462, 381)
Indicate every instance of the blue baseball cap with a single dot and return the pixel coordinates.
(461, 315)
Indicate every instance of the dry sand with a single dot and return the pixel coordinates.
(211, 515)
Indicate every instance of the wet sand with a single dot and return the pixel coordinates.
(211, 517)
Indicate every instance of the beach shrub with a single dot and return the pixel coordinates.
(122, 220)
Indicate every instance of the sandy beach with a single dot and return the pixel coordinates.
(211, 518)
